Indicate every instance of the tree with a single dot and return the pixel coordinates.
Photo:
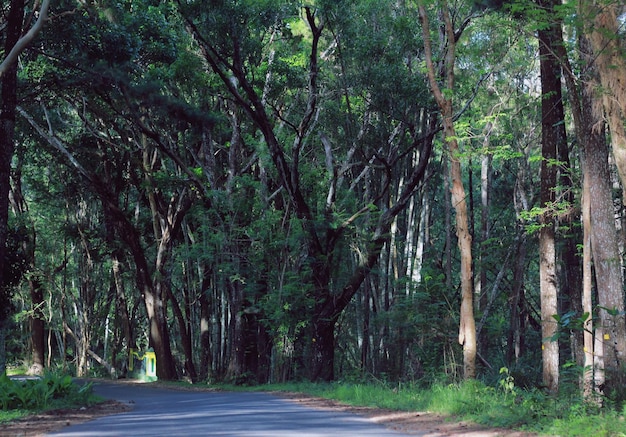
(15, 42)
(35, 285)
(552, 139)
(467, 328)
(603, 34)
(231, 51)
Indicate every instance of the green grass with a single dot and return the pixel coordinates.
(503, 406)
(7, 416)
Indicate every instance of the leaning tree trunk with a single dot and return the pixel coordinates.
(467, 325)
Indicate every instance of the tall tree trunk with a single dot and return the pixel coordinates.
(37, 325)
(587, 380)
(14, 43)
(553, 138)
(237, 346)
(121, 304)
(8, 101)
(485, 203)
(570, 259)
(35, 286)
(206, 364)
(608, 48)
(606, 258)
(603, 30)
(600, 236)
(467, 326)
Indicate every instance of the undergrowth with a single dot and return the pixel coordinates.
(501, 405)
(19, 397)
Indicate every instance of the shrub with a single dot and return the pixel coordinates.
(41, 393)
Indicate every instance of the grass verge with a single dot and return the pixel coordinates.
(504, 406)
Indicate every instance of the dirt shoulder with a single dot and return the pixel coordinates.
(419, 423)
(54, 420)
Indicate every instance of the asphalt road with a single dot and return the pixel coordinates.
(163, 412)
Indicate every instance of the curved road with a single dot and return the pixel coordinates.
(165, 412)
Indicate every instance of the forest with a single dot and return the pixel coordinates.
(276, 190)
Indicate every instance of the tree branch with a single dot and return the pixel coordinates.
(24, 41)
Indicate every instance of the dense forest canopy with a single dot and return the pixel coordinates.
(276, 190)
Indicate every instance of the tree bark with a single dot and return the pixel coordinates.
(608, 55)
(37, 324)
(8, 102)
(603, 30)
(121, 304)
(587, 380)
(15, 42)
(485, 202)
(204, 372)
(35, 286)
(606, 256)
(552, 138)
(467, 325)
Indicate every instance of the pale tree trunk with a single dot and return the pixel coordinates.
(584, 122)
(448, 222)
(553, 137)
(485, 187)
(549, 346)
(587, 380)
(600, 234)
(603, 31)
(607, 260)
(610, 63)
(467, 328)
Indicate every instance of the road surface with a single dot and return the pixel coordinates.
(165, 412)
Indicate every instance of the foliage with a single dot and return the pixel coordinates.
(126, 91)
(42, 393)
(15, 267)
